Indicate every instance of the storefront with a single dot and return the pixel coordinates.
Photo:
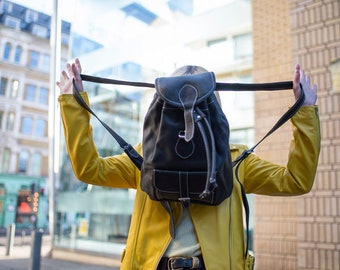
(94, 220)
(23, 202)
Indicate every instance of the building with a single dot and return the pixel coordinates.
(24, 104)
(300, 232)
(23, 202)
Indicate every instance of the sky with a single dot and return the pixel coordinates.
(89, 15)
(125, 37)
(69, 5)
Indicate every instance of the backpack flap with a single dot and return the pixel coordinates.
(192, 90)
(204, 83)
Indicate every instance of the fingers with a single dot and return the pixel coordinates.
(59, 85)
(296, 81)
(304, 80)
(77, 64)
(69, 71)
(72, 71)
(64, 74)
(302, 76)
(297, 70)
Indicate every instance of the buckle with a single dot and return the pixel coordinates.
(185, 201)
(195, 262)
(181, 263)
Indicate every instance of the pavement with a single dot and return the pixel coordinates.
(20, 257)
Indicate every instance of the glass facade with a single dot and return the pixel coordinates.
(88, 214)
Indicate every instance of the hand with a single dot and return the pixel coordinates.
(73, 72)
(310, 91)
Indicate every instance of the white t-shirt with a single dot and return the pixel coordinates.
(185, 243)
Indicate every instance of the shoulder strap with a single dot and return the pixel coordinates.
(128, 149)
(273, 86)
(284, 118)
(138, 160)
(117, 82)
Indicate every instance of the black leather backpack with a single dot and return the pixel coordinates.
(186, 143)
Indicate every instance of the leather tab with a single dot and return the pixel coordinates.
(188, 96)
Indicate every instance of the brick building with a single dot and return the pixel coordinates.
(300, 232)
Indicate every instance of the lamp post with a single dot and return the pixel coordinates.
(54, 122)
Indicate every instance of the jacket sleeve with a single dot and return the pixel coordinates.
(115, 171)
(297, 177)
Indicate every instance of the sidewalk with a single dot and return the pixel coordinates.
(20, 258)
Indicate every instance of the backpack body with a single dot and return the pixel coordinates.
(186, 143)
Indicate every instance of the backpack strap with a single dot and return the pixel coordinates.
(272, 86)
(96, 79)
(284, 118)
(136, 158)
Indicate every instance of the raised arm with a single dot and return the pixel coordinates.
(88, 166)
(297, 177)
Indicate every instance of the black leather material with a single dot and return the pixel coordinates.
(169, 87)
(181, 263)
(186, 143)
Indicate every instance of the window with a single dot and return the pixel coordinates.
(12, 22)
(40, 128)
(139, 12)
(62, 64)
(7, 51)
(10, 121)
(3, 86)
(242, 136)
(65, 38)
(36, 164)
(45, 62)
(4, 165)
(43, 95)
(1, 117)
(6, 6)
(243, 46)
(31, 15)
(23, 161)
(30, 92)
(216, 41)
(26, 125)
(335, 75)
(15, 88)
(34, 59)
(40, 31)
(17, 55)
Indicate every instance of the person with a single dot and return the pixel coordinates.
(207, 237)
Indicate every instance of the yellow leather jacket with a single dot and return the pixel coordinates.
(219, 228)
